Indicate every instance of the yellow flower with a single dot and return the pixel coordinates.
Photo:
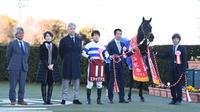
(191, 89)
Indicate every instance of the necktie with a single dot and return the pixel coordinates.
(174, 56)
(174, 49)
(73, 39)
(22, 47)
(119, 46)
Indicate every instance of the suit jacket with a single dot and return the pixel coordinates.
(17, 60)
(112, 49)
(43, 64)
(70, 54)
(172, 57)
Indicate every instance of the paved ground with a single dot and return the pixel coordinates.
(33, 97)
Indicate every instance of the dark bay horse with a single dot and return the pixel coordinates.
(144, 37)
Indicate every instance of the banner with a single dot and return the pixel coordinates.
(139, 69)
(188, 98)
(152, 69)
(96, 70)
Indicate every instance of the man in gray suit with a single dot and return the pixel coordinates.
(17, 55)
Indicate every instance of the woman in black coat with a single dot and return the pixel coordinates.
(47, 70)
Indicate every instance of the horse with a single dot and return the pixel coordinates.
(144, 37)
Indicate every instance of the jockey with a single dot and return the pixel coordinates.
(91, 51)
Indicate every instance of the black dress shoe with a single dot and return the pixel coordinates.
(123, 101)
(13, 103)
(63, 102)
(49, 103)
(77, 102)
(99, 102)
(22, 103)
(172, 103)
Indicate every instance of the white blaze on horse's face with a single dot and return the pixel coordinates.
(118, 35)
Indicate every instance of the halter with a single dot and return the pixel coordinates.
(145, 35)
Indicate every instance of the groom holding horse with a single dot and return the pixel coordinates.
(178, 63)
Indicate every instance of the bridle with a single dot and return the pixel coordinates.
(146, 35)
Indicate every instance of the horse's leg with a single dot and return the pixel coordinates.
(130, 86)
(141, 91)
(145, 59)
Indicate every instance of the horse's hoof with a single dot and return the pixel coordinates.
(129, 100)
(142, 100)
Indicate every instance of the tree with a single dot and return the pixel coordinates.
(85, 33)
(6, 31)
(31, 31)
(56, 26)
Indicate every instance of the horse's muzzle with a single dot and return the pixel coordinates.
(151, 37)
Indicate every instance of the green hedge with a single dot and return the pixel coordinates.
(33, 64)
(193, 50)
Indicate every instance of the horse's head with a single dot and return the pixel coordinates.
(145, 35)
(145, 30)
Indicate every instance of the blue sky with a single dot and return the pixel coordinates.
(169, 16)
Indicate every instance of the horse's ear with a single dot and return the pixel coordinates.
(143, 19)
(150, 19)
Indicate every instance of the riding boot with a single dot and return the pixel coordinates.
(88, 96)
(44, 96)
(99, 96)
(49, 94)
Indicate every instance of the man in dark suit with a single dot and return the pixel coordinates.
(70, 52)
(17, 55)
(177, 67)
(115, 47)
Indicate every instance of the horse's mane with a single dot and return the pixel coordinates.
(139, 34)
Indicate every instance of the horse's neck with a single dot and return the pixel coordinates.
(142, 45)
(140, 37)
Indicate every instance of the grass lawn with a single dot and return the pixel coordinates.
(152, 103)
